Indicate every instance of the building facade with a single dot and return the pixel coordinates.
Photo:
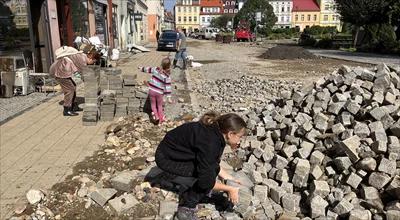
(329, 14)
(141, 21)
(154, 16)
(210, 10)
(230, 7)
(168, 21)
(305, 13)
(187, 15)
(283, 12)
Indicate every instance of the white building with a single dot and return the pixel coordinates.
(283, 12)
(207, 14)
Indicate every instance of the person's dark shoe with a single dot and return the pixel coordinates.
(184, 65)
(185, 213)
(75, 108)
(68, 112)
(174, 64)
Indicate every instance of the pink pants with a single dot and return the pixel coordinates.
(157, 103)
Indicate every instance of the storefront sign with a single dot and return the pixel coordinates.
(138, 16)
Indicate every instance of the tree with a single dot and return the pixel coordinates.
(221, 21)
(361, 13)
(248, 13)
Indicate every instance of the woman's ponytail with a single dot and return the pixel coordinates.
(209, 118)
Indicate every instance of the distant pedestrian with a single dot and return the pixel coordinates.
(69, 61)
(157, 35)
(194, 150)
(159, 85)
(180, 49)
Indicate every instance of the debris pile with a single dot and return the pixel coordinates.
(244, 93)
(330, 149)
(285, 52)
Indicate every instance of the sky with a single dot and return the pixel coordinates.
(169, 4)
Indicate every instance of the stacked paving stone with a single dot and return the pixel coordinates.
(117, 98)
(329, 150)
(91, 107)
(107, 107)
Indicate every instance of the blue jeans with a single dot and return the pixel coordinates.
(181, 54)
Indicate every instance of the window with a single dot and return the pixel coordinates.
(236, 10)
(184, 18)
(195, 19)
(225, 10)
(288, 9)
(302, 17)
(208, 19)
(227, 3)
(184, 9)
(308, 17)
(190, 9)
(326, 7)
(230, 10)
(195, 9)
(203, 19)
(315, 17)
(179, 19)
(296, 17)
(325, 17)
(288, 18)
(333, 17)
(178, 9)
(283, 9)
(233, 3)
(190, 18)
(282, 19)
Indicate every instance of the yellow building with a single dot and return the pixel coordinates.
(305, 13)
(329, 15)
(187, 15)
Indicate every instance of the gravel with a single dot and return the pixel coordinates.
(11, 107)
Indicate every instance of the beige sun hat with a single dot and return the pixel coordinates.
(66, 51)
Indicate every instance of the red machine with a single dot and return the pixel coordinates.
(243, 33)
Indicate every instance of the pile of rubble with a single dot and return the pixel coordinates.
(246, 92)
(329, 150)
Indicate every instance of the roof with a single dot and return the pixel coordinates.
(305, 5)
(211, 3)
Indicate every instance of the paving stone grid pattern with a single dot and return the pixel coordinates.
(39, 147)
(10, 107)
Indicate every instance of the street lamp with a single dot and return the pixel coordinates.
(258, 19)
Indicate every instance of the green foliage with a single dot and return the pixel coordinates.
(362, 12)
(221, 21)
(248, 13)
(283, 33)
(324, 43)
(381, 38)
(307, 40)
(318, 30)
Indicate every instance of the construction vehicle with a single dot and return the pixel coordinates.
(243, 32)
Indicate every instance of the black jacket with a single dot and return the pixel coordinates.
(198, 146)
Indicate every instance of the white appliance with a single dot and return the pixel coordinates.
(22, 79)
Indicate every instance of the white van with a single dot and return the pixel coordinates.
(207, 33)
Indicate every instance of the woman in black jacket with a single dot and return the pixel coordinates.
(194, 150)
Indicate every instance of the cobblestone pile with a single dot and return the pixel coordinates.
(329, 150)
(246, 92)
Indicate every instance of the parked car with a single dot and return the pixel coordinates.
(208, 33)
(167, 41)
